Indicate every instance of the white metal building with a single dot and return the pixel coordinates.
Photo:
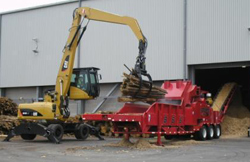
(205, 41)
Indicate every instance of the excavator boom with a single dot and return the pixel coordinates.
(66, 67)
(97, 15)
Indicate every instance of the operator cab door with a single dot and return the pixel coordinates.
(94, 89)
(84, 83)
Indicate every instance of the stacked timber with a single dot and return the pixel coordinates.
(131, 91)
(7, 107)
(104, 126)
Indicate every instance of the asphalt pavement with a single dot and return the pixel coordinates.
(229, 149)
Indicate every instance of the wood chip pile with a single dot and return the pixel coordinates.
(222, 96)
(7, 107)
(237, 119)
(130, 86)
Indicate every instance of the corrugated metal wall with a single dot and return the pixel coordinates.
(20, 66)
(107, 46)
(218, 31)
(27, 93)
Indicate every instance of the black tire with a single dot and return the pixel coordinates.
(210, 132)
(82, 132)
(201, 135)
(217, 131)
(28, 136)
(57, 130)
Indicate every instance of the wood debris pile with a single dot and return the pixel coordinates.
(8, 113)
(7, 107)
(7, 123)
(130, 87)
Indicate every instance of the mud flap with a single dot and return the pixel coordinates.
(28, 128)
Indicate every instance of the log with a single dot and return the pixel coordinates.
(127, 99)
(136, 80)
(131, 85)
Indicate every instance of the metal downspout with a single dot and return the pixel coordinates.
(185, 41)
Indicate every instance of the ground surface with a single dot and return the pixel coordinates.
(40, 150)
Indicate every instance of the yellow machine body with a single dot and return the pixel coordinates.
(78, 94)
(36, 111)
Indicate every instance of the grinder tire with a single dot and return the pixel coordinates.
(210, 132)
(201, 135)
(217, 131)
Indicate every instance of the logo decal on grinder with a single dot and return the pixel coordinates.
(65, 63)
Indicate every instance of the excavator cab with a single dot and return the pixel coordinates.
(84, 83)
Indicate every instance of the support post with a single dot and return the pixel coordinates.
(39, 92)
(2, 92)
(81, 107)
(191, 74)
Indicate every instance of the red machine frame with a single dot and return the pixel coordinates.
(183, 111)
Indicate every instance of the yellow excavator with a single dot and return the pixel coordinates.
(49, 115)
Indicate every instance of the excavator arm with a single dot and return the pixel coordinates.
(66, 66)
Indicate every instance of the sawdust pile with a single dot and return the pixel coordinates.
(7, 107)
(140, 144)
(7, 122)
(237, 119)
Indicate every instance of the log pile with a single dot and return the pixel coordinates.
(8, 112)
(130, 87)
(7, 122)
(7, 107)
(104, 126)
(74, 119)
